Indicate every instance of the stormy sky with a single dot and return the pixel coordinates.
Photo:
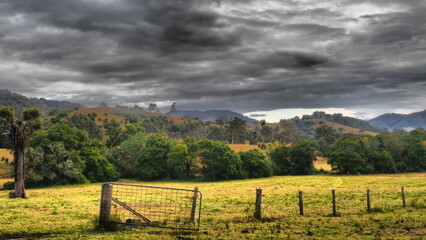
(361, 56)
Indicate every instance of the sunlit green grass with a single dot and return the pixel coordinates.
(69, 212)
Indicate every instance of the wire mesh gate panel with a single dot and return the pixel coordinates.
(150, 206)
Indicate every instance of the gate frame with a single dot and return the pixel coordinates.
(106, 200)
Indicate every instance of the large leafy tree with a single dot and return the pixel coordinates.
(237, 130)
(19, 131)
(280, 157)
(63, 145)
(256, 164)
(152, 162)
(218, 161)
(302, 157)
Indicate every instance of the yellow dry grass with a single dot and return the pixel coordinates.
(243, 147)
(6, 153)
(4, 171)
(101, 112)
(68, 212)
(342, 128)
(321, 163)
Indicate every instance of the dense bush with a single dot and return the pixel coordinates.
(66, 155)
(218, 161)
(256, 164)
(152, 161)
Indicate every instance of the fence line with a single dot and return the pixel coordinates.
(375, 201)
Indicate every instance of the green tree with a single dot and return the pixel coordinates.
(180, 163)
(124, 157)
(218, 161)
(152, 163)
(302, 156)
(347, 157)
(237, 130)
(256, 164)
(280, 157)
(86, 153)
(86, 123)
(19, 131)
(286, 132)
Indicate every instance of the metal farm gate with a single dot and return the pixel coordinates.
(150, 206)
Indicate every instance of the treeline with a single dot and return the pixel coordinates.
(383, 153)
(74, 149)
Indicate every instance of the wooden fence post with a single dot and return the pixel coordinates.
(301, 210)
(194, 204)
(105, 209)
(333, 195)
(368, 201)
(403, 197)
(258, 207)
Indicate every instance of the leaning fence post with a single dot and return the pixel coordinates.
(333, 195)
(258, 208)
(368, 201)
(301, 203)
(403, 197)
(194, 204)
(105, 209)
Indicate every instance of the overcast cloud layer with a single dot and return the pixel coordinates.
(242, 55)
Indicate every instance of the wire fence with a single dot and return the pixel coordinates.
(151, 206)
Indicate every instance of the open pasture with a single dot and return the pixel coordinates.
(70, 212)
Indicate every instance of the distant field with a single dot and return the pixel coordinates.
(3, 171)
(68, 212)
(321, 163)
(6, 153)
(243, 147)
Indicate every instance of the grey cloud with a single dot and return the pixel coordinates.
(203, 55)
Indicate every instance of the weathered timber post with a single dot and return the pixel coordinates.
(301, 210)
(368, 201)
(333, 195)
(258, 207)
(105, 209)
(194, 204)
(403, 197)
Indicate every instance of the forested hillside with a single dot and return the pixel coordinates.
(348, 121)
(19, 102)
(393, 121)
(212, 115)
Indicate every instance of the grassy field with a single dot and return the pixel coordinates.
(69, 212)
(5, 153)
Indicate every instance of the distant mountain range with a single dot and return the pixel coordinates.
(19, 102)
(393, 121)
(211, 115)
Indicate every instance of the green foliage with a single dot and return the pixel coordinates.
(218, 161)
(280, 157)
(302, 156)
(347, 157)
(124, 157)
(152, 162)
(385, 153)
(256, 164)
(237, 130)
(87, 123)
(181, 164)
(63, 154)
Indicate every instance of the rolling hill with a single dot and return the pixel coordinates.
(393, 121)
(20, 102)
(211, 115)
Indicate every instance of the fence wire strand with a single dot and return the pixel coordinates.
(155, 206)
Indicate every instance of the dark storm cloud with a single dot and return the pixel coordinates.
(241, 55)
